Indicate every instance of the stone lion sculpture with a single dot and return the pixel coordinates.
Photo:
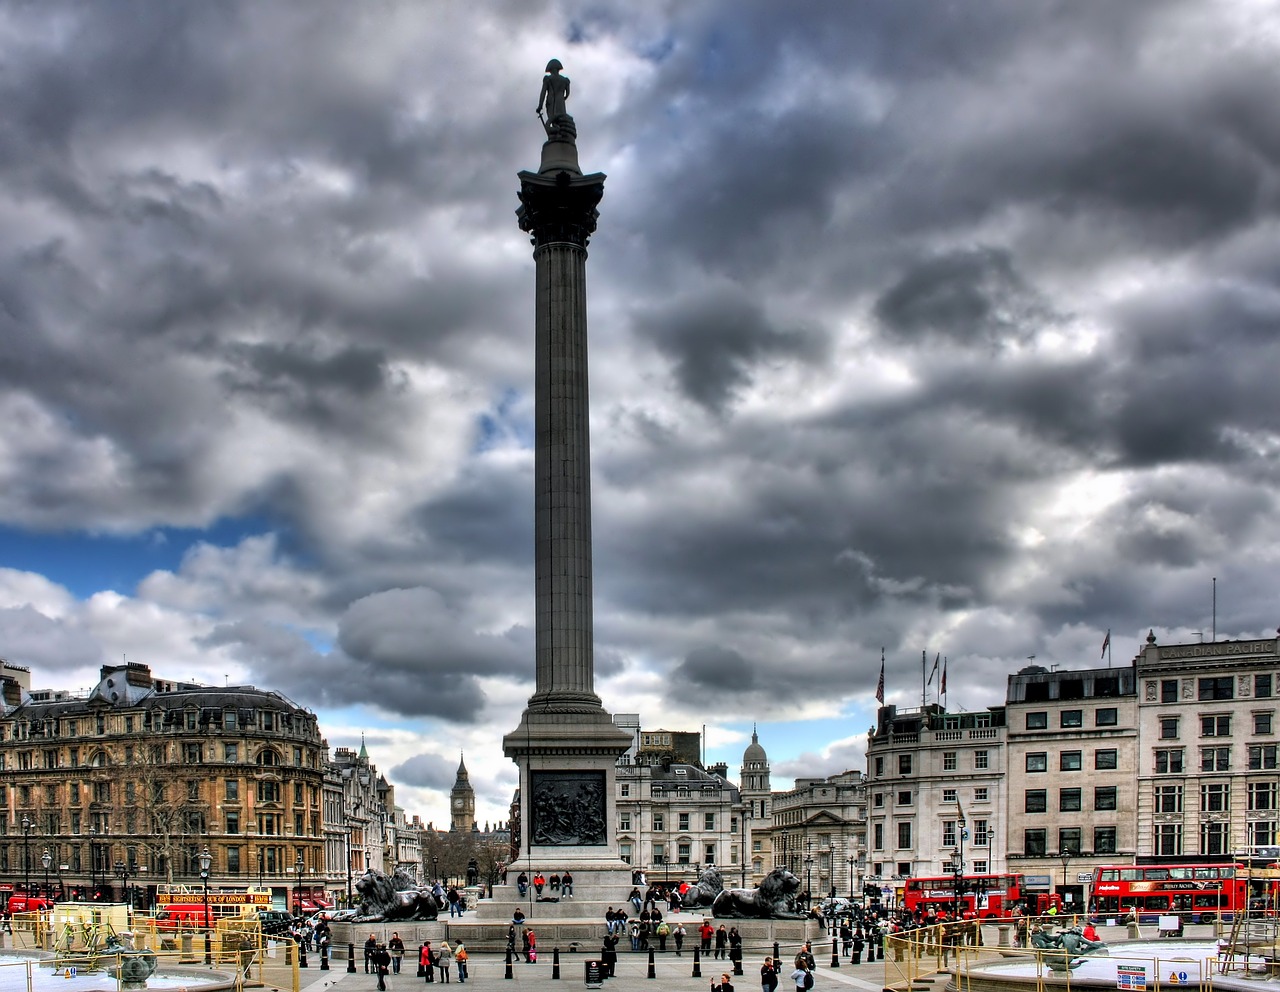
(773, 898)
(704, 891)
(398, 897)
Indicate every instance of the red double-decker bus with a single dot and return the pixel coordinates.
(1199, 893)
(983, 897)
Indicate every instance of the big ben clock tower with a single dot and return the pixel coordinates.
(462, 800)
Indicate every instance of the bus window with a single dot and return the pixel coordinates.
(1109, 875)
(1182, 901)
(1206, 873)
(1179, 872)
(1155, 903)
(1131, 874)
(1160, 874)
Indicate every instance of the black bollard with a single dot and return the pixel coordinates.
(835, 953)
(737, 965)
(555, 962)
(697, 964)
(777, 956)
(652, 972)
(509, 973)
(324, 958)
(351, 959)
(302, 955)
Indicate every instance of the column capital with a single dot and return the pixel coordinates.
(559, 207)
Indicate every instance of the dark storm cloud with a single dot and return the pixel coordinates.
(715, 342)
(716, 668)
(425, 771)
(973, 297)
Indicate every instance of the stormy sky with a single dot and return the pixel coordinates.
(925, 326)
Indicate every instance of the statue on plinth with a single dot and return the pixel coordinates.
(555, 94)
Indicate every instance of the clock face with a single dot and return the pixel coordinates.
(457, 802)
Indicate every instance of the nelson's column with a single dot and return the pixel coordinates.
(566, 744)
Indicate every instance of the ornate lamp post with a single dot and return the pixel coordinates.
(435, 869)
(46, 859)
(957, 866)
(205, 861)
(808, 880)
(1065, 856)
(93, 863)
(852, 861)
(261, 859)
(299, 867)
(26, 855)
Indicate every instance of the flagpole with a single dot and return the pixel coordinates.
(924, 686)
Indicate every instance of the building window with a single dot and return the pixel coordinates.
(1168, 728)
(948, 795)
(1169, 690)
(1218, 725)
(1262, 833)
(1213, 837)
(1072, 718)
(192, 754)
(904, 835)
(980, 836)
(684, 853)
(877, 800)
(1169, 761)
(1104, 840)
(1262, 756)
(1069, 800)
(1262, 686)
(1168, 799)
(1105, 797)
(1037, 761)
(980, 867)
(233, 822)
(624, 821)
(709, 821)
(904, 764)
(1168, 840)
(1034, 843)
(1261, 724)
(878, 837)
(981, 794)
(233, 860)
(949, 761)
(948, 833)
(659, 854)
(880, 766)
(1215, 759)
(1106, 759)
(1106, 716)
(1262, 795)
(230, 719)
(904, 797)
(682, 821)
(233, 789)
(1215, 797)
(659, 823)
(1070, 839)
(980, 760)
(624, 852)
(231, 752)
(268, 792)
(1036, 801)
(1037, 721)
(1070, 761)
(625, 790)
(1218, 687)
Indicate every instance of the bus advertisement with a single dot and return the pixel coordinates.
(1199, 893)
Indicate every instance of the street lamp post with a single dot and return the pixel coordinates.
(46, 860)
(26, 855)
(299, 866)
(261, 858)
(1065, 856)
(125, 871)
(205, 861)
(808, 880)
(435, 869)
(852, 861)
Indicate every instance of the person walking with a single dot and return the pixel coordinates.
(722, 942)
(444, 960)
(735, 946)
(370, 946)
(706, 933)
(382, 965)
(395, 947)
(460, 959)
(426, 963)
(802, 977)
(768, 975)
(678, 934)
(531, 939)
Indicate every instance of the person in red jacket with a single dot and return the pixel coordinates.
(706, 933)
